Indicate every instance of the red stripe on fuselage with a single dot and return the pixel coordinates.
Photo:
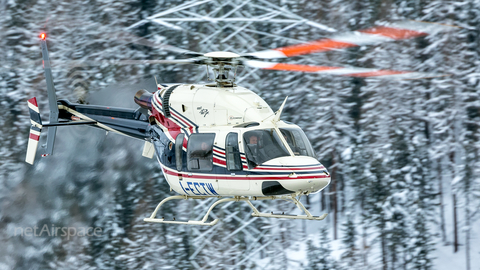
(178, 116)
(289, 168)
(219, 161)
(243, 177)
(319, 167)
(157, 99)
(223, 153)
(190, 127)
(219, 152)
(172, 127)
(224, 163)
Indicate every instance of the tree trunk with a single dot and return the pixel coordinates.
(455, 235)
(467, 230)
(384, 252)
(334, 202)
(341, 192)
(442, 210)
(394, 257)
(364, 236)
(322, 200)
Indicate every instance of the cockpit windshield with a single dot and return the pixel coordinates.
(263, 145)
(298, 142)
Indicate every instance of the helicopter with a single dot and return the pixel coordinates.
(219, 139)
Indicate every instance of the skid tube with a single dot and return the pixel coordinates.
(248, 200)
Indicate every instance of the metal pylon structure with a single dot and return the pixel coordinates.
(238, 26)
(235, 25)
(233, 22)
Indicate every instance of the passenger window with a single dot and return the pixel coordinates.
(234, 163)
(179, 151)
(200, 152)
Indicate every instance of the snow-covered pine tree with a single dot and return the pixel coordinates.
(350, 257)
(462, 55)
(421, 246)
(322, 259)
(313, 256)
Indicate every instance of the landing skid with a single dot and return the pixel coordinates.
(248, 200)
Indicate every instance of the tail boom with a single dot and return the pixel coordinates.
(127, 122)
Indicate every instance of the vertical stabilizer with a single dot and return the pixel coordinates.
(52, 97)
(35, 130)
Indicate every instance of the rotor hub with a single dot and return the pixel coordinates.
(222, 63)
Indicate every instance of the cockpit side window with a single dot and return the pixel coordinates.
(200, 152)
(234, 163)
(263, 145)
(298, 142)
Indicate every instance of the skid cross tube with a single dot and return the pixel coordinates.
(248, 200)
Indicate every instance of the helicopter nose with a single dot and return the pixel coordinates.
(305, 174)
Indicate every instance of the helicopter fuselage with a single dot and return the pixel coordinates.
(202, 142)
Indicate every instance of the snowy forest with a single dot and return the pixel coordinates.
(403, 154)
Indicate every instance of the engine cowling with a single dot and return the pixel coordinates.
(144, 99)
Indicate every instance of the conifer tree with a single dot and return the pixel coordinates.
(349, 258)
(313, 256)
(325, 259)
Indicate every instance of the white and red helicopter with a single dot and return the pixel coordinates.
(222, 140)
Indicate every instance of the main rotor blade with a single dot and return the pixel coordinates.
(344, 71)
(374, 35)
(145, 42)
(81, 63)
(141, 62)
(134, 62)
